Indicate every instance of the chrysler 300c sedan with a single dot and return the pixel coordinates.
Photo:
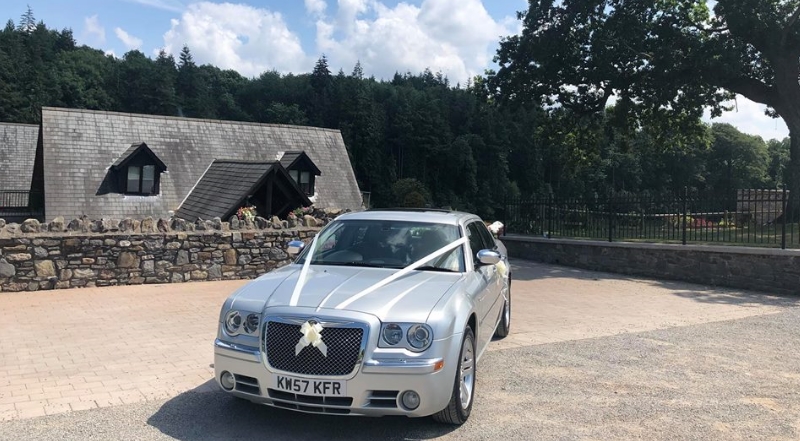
(382, 313)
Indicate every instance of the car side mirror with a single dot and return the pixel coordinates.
(488, 257)
(294, 247)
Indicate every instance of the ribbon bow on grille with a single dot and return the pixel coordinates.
(311, 336)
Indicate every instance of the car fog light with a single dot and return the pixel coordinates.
(410, 399)
(392, 334)
(227, 381)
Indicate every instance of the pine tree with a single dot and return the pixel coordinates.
(321, 102)
(27, 23)
(358, 71)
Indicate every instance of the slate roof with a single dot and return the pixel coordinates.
(79, 146)
(290, 158)
(133, 150)
(17, 152)
(216, 194)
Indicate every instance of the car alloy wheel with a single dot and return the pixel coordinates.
(467, 373)
(462, 397)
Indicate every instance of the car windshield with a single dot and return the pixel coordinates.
(387, 244)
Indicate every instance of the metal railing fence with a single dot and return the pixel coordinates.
(744, 217)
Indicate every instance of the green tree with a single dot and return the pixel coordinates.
(410, 192)
(83, 80)
(191, 88)
(137, 83)
(279, 113)
(164, 94)
(27, 23)
(321, 105)
(738, 160)
(778, 152)
(12, 100)
(665, 58)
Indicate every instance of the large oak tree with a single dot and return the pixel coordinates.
(662, 59)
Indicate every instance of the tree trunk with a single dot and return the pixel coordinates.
(792, 175)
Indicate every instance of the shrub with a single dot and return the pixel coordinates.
(247, 213)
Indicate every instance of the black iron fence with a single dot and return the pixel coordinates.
(745, 217)
(18, 205)
(14, 198)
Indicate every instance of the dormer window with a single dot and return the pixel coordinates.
(304, 179)
(302, 170)
(138, 171)
(141, 180)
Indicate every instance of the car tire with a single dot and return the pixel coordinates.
(504, 327)
(457, 411)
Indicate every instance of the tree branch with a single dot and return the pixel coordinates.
(789, 25)
(752, 89)
(713, 30)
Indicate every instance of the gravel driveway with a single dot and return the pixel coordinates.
(691, 376)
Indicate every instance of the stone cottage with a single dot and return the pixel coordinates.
(117, 165)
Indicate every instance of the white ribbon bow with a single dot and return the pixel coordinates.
(311, 336)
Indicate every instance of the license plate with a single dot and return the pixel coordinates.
(303, 386)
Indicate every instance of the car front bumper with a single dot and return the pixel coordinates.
(375, 388)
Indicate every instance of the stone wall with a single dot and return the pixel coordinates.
(762, 206)
(767, 270)
(36, 261)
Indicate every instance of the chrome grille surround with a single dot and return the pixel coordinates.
(346, 341)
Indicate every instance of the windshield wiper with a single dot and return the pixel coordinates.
(435, 268)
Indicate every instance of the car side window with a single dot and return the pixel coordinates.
(475, 239)
(488, 239)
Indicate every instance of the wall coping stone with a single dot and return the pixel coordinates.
(729, 249)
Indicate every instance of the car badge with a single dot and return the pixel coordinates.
(311, 331)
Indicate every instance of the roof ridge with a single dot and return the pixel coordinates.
(183, 118)
(5, 123)
(243, 161)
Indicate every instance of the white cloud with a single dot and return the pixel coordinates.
(93, 31)
(237, 36)
(167, 5)
(316, 7)
(128, 40)
(456, 37)
(749, 117)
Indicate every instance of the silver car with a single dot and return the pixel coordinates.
(383, 313)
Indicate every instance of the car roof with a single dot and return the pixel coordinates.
(412, 215)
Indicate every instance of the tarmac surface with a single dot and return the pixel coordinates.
(592, 356)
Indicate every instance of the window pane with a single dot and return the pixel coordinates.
(133, 179)
(294, 175)
(488, 238)
(475, 241)
(305, 182)
(148, 178)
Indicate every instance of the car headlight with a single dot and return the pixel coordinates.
(392, 334)
(419, 337)
(237, 322)
(233, 322)
(415, 337)
(251, 323)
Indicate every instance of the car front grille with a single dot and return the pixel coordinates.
(344, 346)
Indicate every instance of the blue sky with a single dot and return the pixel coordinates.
(456, 37)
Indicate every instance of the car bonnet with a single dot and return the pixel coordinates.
(330, 288)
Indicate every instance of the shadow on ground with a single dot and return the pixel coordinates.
(530, 270)
(200, 416)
